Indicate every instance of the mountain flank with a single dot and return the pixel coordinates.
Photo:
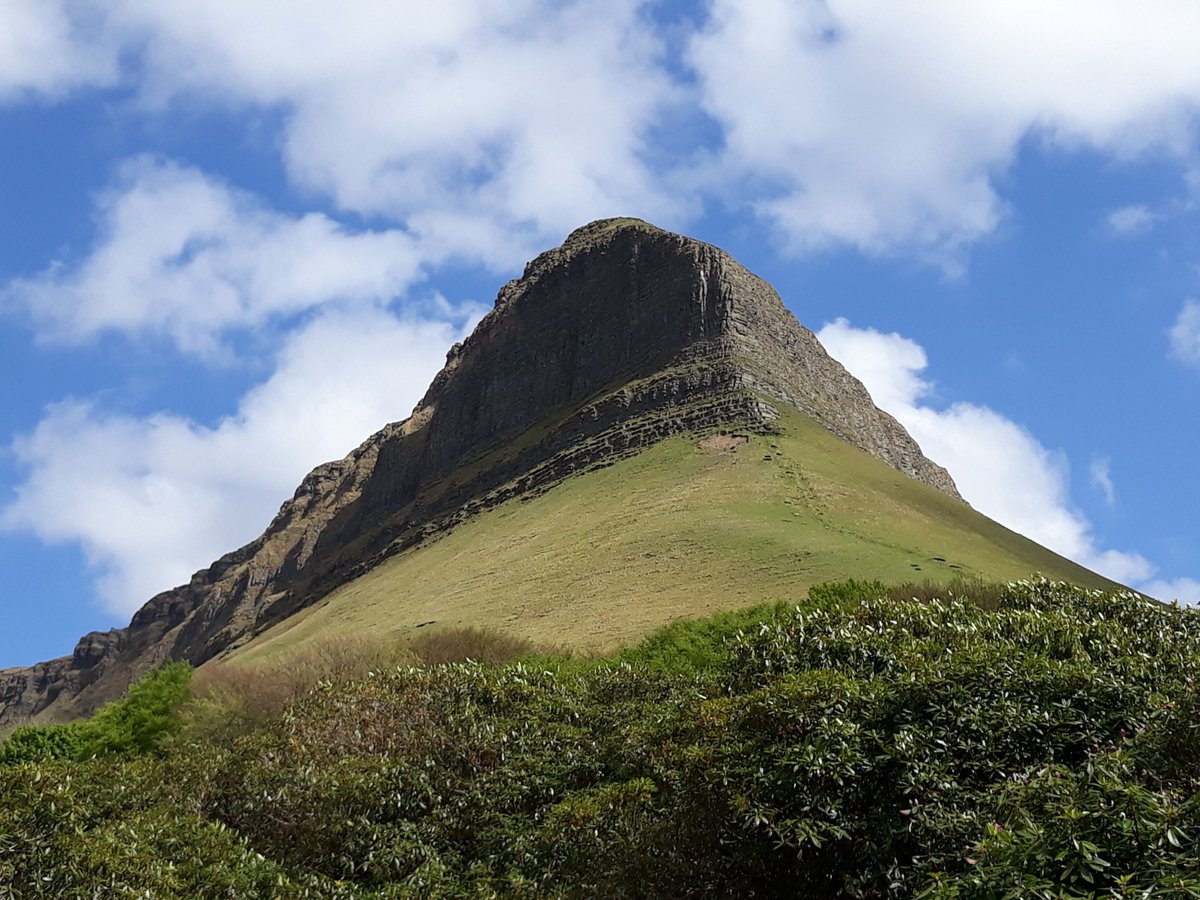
(625, 341)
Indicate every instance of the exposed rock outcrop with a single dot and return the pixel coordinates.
(620, 337)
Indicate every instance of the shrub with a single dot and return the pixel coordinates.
(982, 593)
(854, 745)
(696, 645)
(40, 743)
(453, 645)
(110, 827)
(143, 719)
(234, 695)
(138, 723)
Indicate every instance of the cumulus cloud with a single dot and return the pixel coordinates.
(1100, 474)
(1184, 335)
(488, 126)
(485, 125)
(1000, 468)
(885, 125)
(47, 50)
(182, 255)
(1185, 590)
(1130, 220)
(153, 499)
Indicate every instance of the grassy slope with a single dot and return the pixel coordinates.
(677, 531)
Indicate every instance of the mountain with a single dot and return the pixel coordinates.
(640, 422)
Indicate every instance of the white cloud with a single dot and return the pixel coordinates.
(151, 500)
(1184, 335)
(1130, 220)
(885, 125)
(182, 255)
(1100, 474)
(46, 49)
(487, 126)
(1185, 590)
(1000, 468)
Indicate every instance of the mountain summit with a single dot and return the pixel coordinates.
(624, 337)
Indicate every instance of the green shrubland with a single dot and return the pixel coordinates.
(866, 742)
(140, 723)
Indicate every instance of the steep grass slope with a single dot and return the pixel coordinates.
(687, 527)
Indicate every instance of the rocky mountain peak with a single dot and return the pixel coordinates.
(624, 335)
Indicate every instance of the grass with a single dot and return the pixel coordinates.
(454, 645)
(231, 694)
(256, 690)
(982, 593)
(675, 532)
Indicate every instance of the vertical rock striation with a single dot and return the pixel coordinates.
(620, 337)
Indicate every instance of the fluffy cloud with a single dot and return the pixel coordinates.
(489, 126)
(151, 500)
(1100, 474)
(1184, 335)
(182, 255)
(884, 125)
(46, 50)
(1130, 220)
(1000, 468)
(485, 125)
(1185, 590)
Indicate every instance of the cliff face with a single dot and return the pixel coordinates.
(620, 337)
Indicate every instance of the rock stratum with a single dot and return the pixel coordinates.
(624, 335)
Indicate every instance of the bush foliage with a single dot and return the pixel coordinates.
(139, 723)
(862, 744)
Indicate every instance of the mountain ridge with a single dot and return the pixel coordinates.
(624, 335)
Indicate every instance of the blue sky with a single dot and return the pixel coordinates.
(236, 239)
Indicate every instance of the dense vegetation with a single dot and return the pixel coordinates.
(1043, 743)
(137, 724)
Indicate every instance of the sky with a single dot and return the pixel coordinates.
(238, 238)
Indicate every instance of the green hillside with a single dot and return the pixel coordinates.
(680, 530)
